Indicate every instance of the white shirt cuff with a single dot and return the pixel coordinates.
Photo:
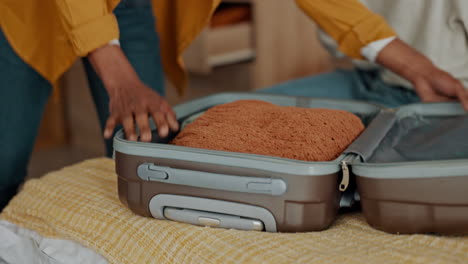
(372, 49)
(115, 42)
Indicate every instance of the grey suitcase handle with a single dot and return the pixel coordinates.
(269, 186)
(160, 202)
(203, 218)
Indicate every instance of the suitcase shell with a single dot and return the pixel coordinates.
(285, 195)
(406, 188)
(399, 193)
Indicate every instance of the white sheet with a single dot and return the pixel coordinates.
(19, 245)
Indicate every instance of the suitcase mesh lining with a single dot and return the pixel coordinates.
(418, 138)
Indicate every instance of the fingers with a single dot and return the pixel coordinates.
(462, 95)
(170, 117)
(143, 126)
(110, 126)
(426, 92)
(129, 127)
(164, 121)
(127, 123)
(141, 120)
(133, 108)
(441, 86)
(172, 120)
(161, 123)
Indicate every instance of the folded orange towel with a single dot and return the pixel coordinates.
(258, 127)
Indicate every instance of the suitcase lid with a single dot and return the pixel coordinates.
(414, 141)
(413, 175)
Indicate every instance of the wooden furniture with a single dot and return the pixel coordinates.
(278, 39)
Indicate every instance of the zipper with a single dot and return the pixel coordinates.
(345, 178)
(345, 163)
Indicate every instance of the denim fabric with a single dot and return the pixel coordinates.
(23, 95)
(347, 84)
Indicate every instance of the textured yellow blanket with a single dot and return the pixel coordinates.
(80, 203)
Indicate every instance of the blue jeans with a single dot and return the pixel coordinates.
(24, 93)
(347, 84)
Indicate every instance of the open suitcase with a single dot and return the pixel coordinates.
(409, 168)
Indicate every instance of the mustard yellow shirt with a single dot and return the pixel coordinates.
(50, 35)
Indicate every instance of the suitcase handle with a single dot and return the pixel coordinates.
(212, 219)
(270, 186)
(159, 203)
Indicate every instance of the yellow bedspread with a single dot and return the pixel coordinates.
(80, 203)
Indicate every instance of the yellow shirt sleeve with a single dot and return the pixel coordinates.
(89, 24)
(349, 22)
(178, 24)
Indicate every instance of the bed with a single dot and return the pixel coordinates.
(79, 205)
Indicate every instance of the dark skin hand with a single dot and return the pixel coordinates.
(430, 83)
(131, 101)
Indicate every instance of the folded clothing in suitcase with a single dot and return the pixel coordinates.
(259, 127)
(257, 192)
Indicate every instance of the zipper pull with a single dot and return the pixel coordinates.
(345, 179)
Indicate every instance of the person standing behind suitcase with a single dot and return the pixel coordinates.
(39, 41)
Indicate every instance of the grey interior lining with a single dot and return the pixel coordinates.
(365, 145)
(424, 138)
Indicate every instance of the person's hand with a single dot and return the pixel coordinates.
(134, 102)
(131, 101)
(436, 85)
(430, 83)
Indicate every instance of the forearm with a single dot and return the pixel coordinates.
(130, 100)
(113, 67)
(404, 60)
(431, 83)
